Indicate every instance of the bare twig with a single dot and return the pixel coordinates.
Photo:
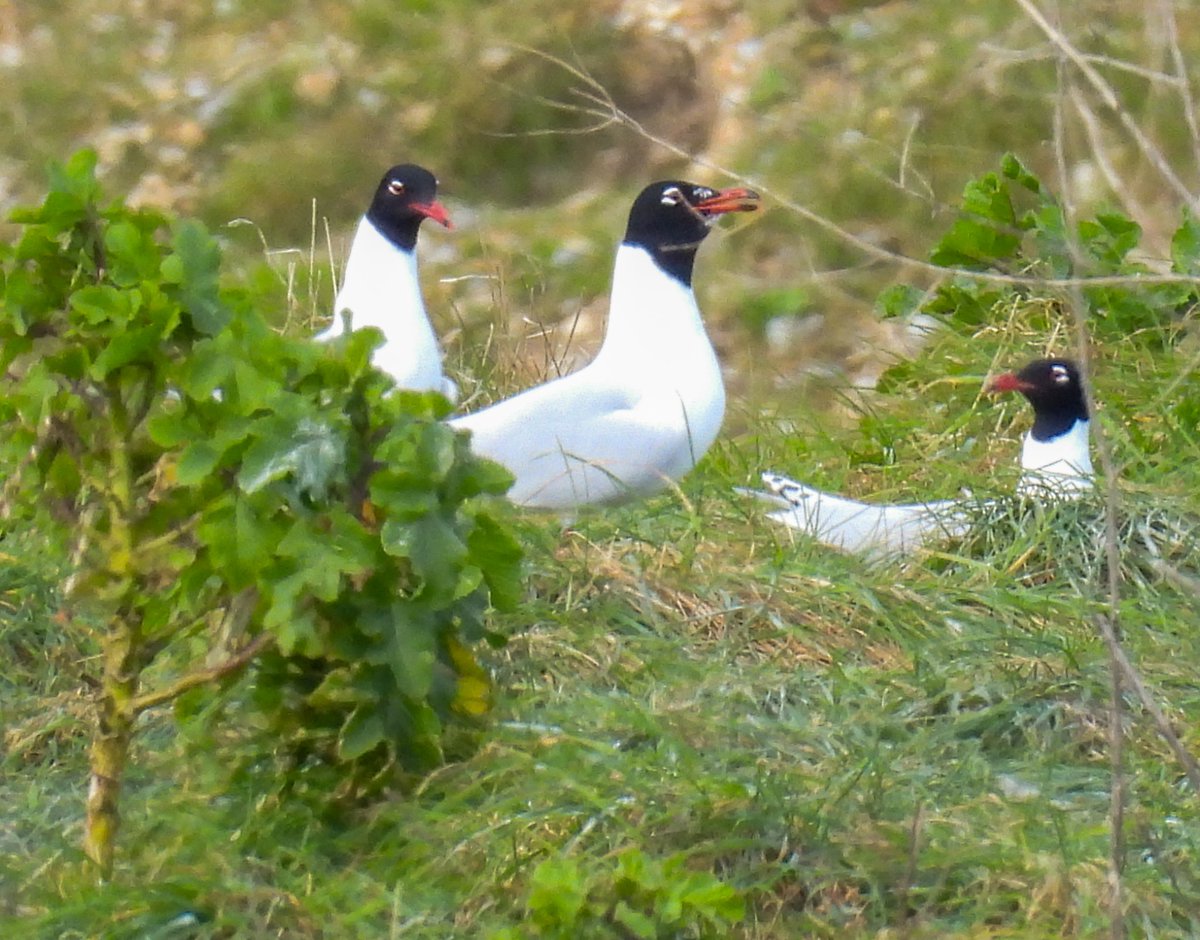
(1109, 97)
(1189, 763)
(1116, 716)
(599, 104)
(1167, 11)
(1049, 52)
(1117, 186)
(203, 676)
(1183, 581)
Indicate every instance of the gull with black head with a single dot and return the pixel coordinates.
(381, 287)
(1055, 464)
(651, 402)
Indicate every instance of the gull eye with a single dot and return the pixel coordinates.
(671, 196)
(395, 187)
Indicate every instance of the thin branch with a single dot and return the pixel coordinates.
(1116, 705)
(1186, 759)
(602, 106)
(1167, 9)
(1109, 97)
(1117, 186)
(1048, 52)
(203, 676)
(1183, 581)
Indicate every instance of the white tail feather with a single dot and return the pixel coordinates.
(862, 528)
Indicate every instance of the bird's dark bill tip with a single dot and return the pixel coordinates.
(737, 199)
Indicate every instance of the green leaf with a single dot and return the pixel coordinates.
(557, 893)
(1185, 246)
(1109, 238)
(437, 553)
(209, 366)
(194, 266)
(254, 389)
(973, 244)
(988, 231)
(478, 475)
(708, 895)
(311, 451)
(498, 554)
(1013, 169)
(133, 254)
(198, 460)
(411, 645)
(401, 503)
(363, 732)
(25, 302)
(255, 538)
(171, 427)
(63, 474)
(101, 303)
(337, 545)
(77, 176)
(437, 450)
(396, 537)
(125, 348)
(294, 627)
(899, 300)
(636, 923)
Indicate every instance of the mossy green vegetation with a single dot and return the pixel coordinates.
(703, 728)
(699, 725)
(219, 494)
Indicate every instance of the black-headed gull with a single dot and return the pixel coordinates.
(380, 287)
(650, 404)
(1055, 463)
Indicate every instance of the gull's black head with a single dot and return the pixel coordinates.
(670, 219)
(1054, 388)
(406, 197)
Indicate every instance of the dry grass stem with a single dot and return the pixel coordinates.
(1110, 99)
(601, 105)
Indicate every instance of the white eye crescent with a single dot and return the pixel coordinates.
(1060, 374)
(671, 196)
(395, 187)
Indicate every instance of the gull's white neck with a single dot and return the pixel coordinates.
(653, 319)
(1062, 464)
(380, 285)
(381, 289)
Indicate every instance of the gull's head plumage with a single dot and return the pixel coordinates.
(405, 197)
(670, 218)
(1054, 387)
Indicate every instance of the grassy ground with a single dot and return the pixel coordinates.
(915, 750)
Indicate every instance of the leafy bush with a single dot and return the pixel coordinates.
(226, 492)
(1010, 222)
(637, 897)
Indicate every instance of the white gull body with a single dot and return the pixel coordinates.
(1058, 468)
(642, 413)
(381, 288)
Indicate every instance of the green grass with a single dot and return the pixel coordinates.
(914, 750)
(918, 748)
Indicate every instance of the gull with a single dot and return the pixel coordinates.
(1055, 464)
(381, 288)
(650, 404)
